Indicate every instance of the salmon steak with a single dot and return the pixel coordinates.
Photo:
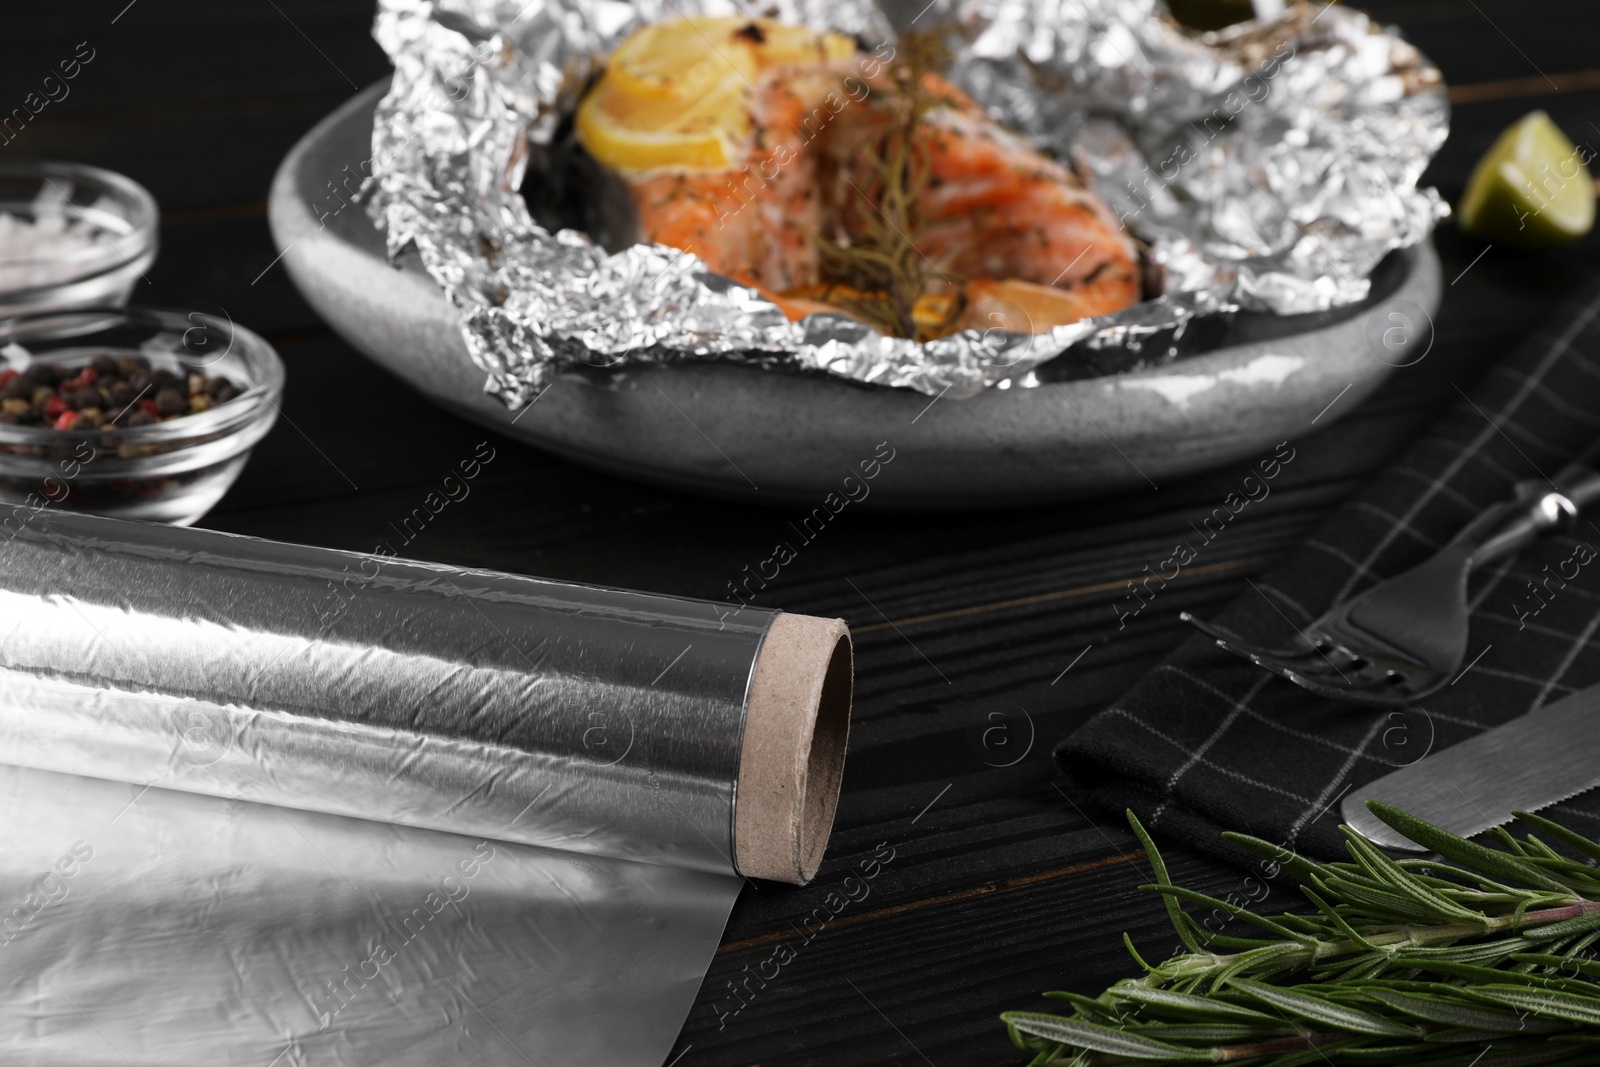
(792, 161)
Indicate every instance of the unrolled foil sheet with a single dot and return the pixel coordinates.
(1268, 168)
(275, 805)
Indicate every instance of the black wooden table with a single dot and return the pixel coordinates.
(990, 885)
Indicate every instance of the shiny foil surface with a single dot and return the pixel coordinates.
(267, 800)
(1267, 168)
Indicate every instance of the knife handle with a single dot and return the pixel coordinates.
(1538, 507)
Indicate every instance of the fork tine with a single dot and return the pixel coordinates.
(1325, 680)
(1238, 645)
(1330, 690)
(1319, 658)
(1373, 695)
(1362, 686)
(1313, 669)
(1289, 667)
(1310, 670)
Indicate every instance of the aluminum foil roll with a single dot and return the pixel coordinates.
(591, 720)
(323, 752)
(1266, 168)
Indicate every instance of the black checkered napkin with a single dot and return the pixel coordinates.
(1209, 742)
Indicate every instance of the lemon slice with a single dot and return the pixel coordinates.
(785, 45)
(681, 59)
(677, 94)
(1531, 188)
(624, 136)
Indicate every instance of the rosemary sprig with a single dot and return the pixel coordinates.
(1483, 958)
(874, 262)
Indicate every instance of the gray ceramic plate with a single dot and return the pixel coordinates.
(774, 436)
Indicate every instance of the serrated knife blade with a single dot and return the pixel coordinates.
(1528, 763)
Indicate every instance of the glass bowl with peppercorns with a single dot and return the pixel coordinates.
(138, 413)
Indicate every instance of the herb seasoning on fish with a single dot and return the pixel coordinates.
(874, 266)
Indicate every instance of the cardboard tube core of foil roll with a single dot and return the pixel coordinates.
(797, 720)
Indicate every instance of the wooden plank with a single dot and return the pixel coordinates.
(222, 260)
(198, 102)
(161, 54)
(221, 156)
(353, 434)
(925, 985)
(1494, 41)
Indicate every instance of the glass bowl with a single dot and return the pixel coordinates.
(116, 212)
(173, 470)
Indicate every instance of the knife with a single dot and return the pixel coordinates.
(1528, 763)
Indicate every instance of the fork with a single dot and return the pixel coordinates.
(1406, 637)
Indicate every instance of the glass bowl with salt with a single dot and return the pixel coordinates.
(71, 236)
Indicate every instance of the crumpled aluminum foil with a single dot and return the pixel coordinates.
(1268, 167)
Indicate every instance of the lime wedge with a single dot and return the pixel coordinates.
(1531, 189)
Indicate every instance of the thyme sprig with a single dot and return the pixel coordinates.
(1482, 958)
(875, 265)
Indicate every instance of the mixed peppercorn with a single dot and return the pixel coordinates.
(108, 392)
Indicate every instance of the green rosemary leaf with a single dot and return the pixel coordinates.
(1468, 895)
(1450, 969)
(1565, 964)
(1403, 881)
(1452, 1013)
(1447, 844)
(1473, 974)
(1093, 1010)
(1018, 1038)
(1464, 1037)
(1261, 961)
(1237, 944)
(1406, 985)
(1578, 876)
(1243, 914)
(1581, 867)
(1102, 1038)
(1295, 865)
(1472, 884)
(1163, 1002)
(1187, 929)
(1128, 944)
(1384, 902)
(1336, 919)
(1534, 847)
(1323, 1012)
(1477, 952)
(1353, 873)
(1215, 1032)
(1382, 1053)
(1577, 925)
(1331, 976)
(1571, 838)
(1509, 843)
(1547, 1003)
